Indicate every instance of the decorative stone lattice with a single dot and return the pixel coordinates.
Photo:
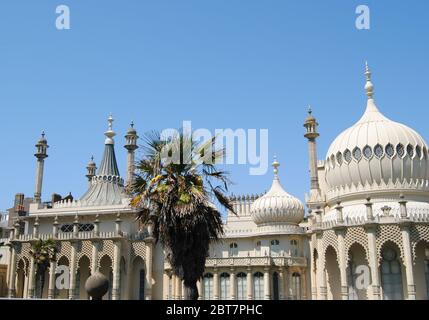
(105, 249)
(64, 250)
(418, 234)
(330, 239)
(23, 252)
(23, 264)
(389, 233)
(138, 249)
(84, 250)
(353, 236)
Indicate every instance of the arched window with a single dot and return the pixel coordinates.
(258, 248)
(391, 275)
(296, 286)
(241, 286)
(294, 248)
(233, 249)
(258, 286)
(276, 291)
(224, 286)
(142, 277)
(208, 286)
(275, 247)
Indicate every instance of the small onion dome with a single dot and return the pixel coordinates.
(91, 163)
(42, 140)
(131, 130)
(277, 206)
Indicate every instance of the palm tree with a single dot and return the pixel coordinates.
(175, 184)
(43, 253)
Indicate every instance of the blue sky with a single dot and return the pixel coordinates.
(219, 63)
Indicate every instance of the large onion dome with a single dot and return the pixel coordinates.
(277, 207)
(376, 154)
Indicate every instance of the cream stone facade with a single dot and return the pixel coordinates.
(365, 236)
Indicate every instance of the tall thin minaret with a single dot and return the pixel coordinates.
(91, 170)
(41, 155)
(312, 134)
(131, 145)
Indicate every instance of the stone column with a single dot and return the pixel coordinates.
(95, 244)
(282, 284)
(313, 275)
(200, 289)
(51, 288)
(73, 265)
(116, 285)
(149, 268)
(373, 261)
(267, 284)
(216, 293)
(233, 287)
(408, 259)
(323, 290)
(129, 278)
(12, 275)
(286, 284)
(249, 284)
(31, 279)
(177, 288)
(304, 284)
(342, 259)
(94, 258)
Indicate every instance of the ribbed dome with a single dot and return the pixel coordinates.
(277, 206)
(376, 152)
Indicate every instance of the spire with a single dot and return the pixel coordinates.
(371, 113)
(109, 166)
(107, 187)
(110, 133)
(369, 87)
(276, 166)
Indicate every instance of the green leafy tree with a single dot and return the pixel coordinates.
(176, 182)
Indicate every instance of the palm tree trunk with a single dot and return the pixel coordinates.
(41, 280)
(191, 290)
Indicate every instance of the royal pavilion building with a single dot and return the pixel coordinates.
(365, 235)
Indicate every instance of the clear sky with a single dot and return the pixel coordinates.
(248, 64)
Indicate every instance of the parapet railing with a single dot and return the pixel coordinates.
(86, 235)
(237, 262)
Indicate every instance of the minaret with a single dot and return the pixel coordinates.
(131, 145)
(91, 170)
(312, 134)
(41, 155)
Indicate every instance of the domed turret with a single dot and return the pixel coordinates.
(376, 154)
(277, 207)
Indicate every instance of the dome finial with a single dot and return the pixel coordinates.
(369, 87)
(276, 166)
(310, 110)
(110, 133)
